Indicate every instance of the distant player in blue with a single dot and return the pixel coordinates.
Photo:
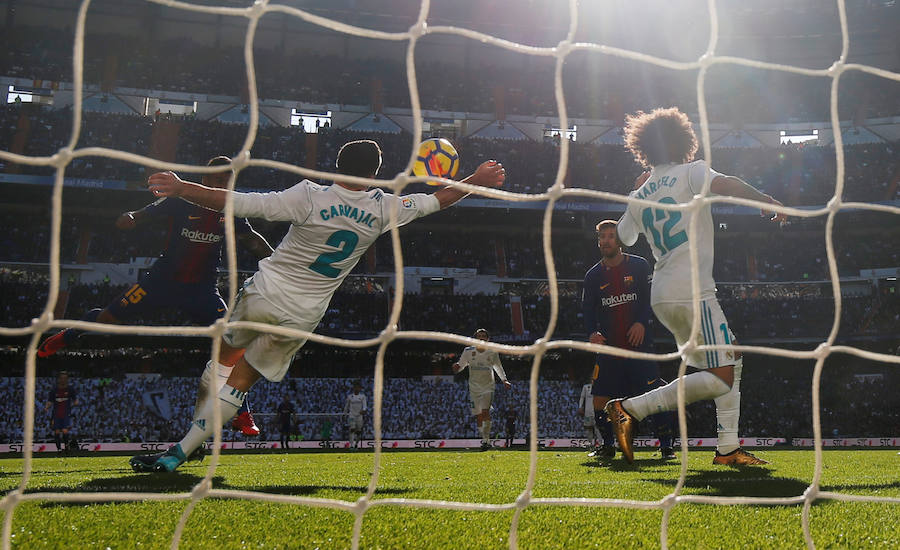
(184, 275)
(61, 400)
(616, 306)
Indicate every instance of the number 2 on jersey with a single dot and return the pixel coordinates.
(345, 242)
(662, 237)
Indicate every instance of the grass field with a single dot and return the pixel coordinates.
(491, 477)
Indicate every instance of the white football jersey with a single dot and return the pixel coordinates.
(331, 228)
(667, 231)
(355, 404)
(482, 365)
(586, 401)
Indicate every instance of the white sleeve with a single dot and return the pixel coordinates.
(291, 205)
(498, 367)
(347, 405)
(465, 358)
(696, 172)
(409, 208)
(628, 228)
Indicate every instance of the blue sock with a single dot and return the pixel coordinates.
(604, 427)
(70, 335)
(664, 427)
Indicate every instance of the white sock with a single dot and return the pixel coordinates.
(728, 413)
(203, 391)
(486, 434)
(697, 386)
(202, 428)
(589, 434)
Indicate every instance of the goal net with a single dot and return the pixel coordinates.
(538, 348)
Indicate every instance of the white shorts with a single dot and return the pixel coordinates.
(270, 354)
(481, 402)
(677, 317)
(355, 423)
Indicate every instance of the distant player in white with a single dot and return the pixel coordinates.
(586, 412)
(664, 142)
(482, 364)
(354, 407)
(331, 228)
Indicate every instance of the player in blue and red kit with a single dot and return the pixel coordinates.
(61, 400)
(616, 307)
(184, 275)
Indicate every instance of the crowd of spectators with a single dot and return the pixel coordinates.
(796, 175)
(606, 89)
(754, 312)
(858, 400)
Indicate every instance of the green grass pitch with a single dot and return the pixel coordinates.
(491, 477)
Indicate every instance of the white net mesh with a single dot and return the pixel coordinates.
(541, 346)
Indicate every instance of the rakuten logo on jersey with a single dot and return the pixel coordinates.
(197, 237)
(623, 298)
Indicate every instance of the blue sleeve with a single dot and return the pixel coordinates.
(242, 226)
(589, 303)
(643, 312)
(163, 207)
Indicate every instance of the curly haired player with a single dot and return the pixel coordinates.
(664, 142)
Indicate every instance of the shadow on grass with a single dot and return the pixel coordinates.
(861, 487)
(309, 490)
(181, 482)
(749, 481)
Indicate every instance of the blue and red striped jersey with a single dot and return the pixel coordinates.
(194, 243)
(615, 297)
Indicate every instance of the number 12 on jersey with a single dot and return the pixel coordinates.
(659, 224)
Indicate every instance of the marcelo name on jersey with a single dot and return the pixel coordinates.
(358, 214)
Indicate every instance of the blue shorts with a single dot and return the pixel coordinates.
(617, 377)
(63, 423)
(200, 302)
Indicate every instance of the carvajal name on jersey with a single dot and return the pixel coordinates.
(613, 301)
(361, 216)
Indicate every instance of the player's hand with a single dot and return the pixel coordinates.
(507, 384)
(126, 221)
(597, 338)
(640, 180)
(165, 184)
(779, 217)
(635, 335)
(488, 174)
(455, 368)
(580, 412)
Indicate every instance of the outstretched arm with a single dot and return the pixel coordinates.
(488, 174)
(168, 184)
(732, 186)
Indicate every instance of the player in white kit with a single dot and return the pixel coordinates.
(482, 364)
(664, 142)
(354, 407)
(586, 412)
(331, 228)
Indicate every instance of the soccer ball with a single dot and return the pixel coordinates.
(436, 157)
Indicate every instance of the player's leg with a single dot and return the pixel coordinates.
(642, 376)
(608, 379)
(135, 300)
(267, 355)
(709, 383)
(205, 305)
(728, 406)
